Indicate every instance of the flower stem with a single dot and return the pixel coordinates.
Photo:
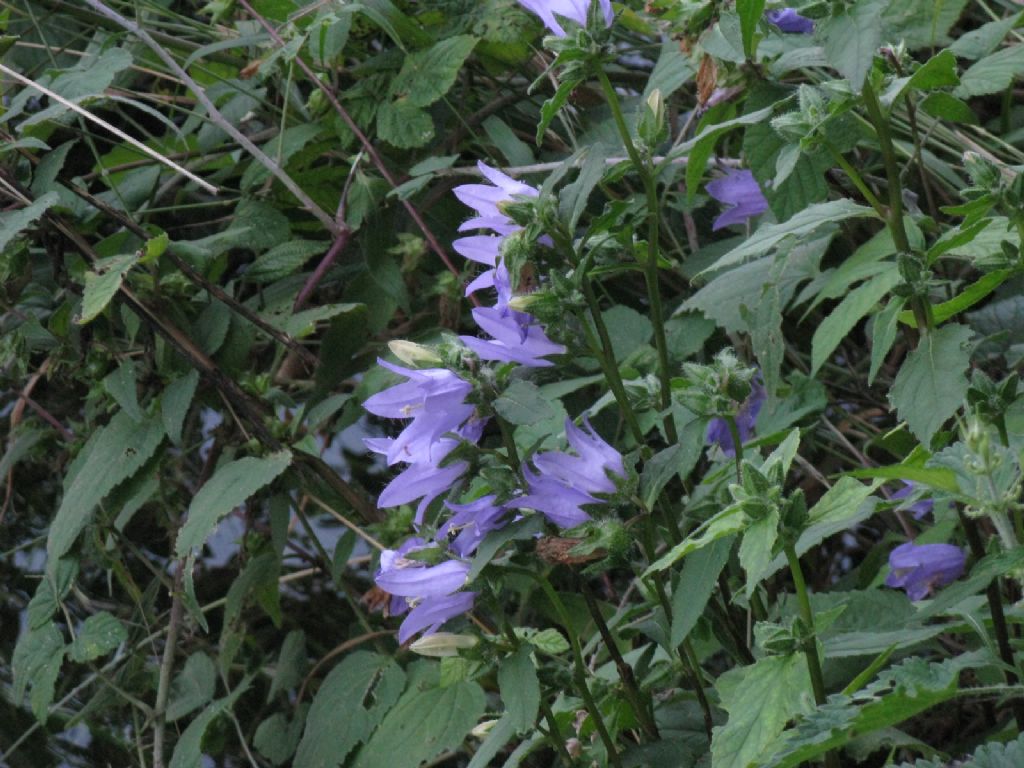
(646, 173)
(811, 646)
(509, 440)
(641, 707)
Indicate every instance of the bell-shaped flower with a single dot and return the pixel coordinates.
(746, 418)
(919, 508)
(429, 614)
(788, 20)
(471, 523)
(920, 569)
(550, 11)
(563, 483)
(739, 191)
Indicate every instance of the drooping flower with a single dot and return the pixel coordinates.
(740, 192)
(746, 419)
(919, 508)
(788, 20)
(486, 200)
(429, 592)
(575, 10)
(517, 337)
(563, 483)
(471, 523)
(920, 569)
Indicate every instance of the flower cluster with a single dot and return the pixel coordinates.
(424, 578)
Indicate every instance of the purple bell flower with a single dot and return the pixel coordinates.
(740, 192)
(919, 508)
(574, 10)
(517, 336)
(563, 483)
(788, 20)
(746, 419)
(471, 523)
(486, 200)
(920, 569)
(430, 591)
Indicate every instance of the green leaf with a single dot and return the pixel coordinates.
(284, 259)
(749, 12)
(801, 225)
(695, 586)
(427, 75)
(628, 329)
(941, 479)
(120, 385)
(520, 689)
(37, 660)
(931, 384)
(99, 635)
(229, 487)
(841, 320)
(982, 40)
(175, 403)
(193, 686)
(964, 300)
(851, 39)
(757, 547)
(352, 699)
(727, 522)
(101, 285)
(291, 663)
(883, 334)
(424, 723)
(760, 699)
(500, 734)
(921, 23)
(276, 738)
(403, 124)
(658, 472)
(899, 693)
(113, 454)
(13, 222)
(188, 751)
(945, 106)
(992, 74)
(672, 70)
(522, 403)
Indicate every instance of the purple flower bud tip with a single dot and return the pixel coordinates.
(575, 10)
(919, 508)
(788, 20)
(740, 192)
(746, 419)
(920, 569)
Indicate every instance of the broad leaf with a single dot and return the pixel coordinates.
(520, 689)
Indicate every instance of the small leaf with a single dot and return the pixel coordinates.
(101, 285)
(520, 689)
(229, 487)
(100, 634)
(120, 384)
(193, 686)
(522, 403)
(175, 403)
(750, 15)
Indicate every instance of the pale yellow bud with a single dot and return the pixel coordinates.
(412, 353)
(442, 644)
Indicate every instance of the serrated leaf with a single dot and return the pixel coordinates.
(756, 548)
(427, 75)
(522, 403)
(13, 222)
(423, 723)
(192, 687)
(841, 320)
(520, 689)
(37, 659)
(100, 634)
(351, 700)
(759, 698)
(120, 385)
(229, 487)
(992, 74)
(931, 384)
(404, 125)
(276, 737)
(102, 284)
(188, 751)
(175, 403)
(851, 39)
(921, 23)
(799, 226)
(695, 586)
(883, 334)
(282, 260)
(112, 455)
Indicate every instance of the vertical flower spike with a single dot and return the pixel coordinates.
(920, 569)
(739, 191)
(549, 12)
(485, 199)
(788, 20)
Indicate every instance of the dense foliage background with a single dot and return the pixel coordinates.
(773, 256)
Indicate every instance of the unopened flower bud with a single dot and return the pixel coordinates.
(412, 353)
(442, 644)
(483, 729)
(522, 302)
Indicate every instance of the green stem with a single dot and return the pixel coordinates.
(857, 179)
(554, 735)
(579, 667)
(509, 440)
(651, 262)
(811, 646)
(641, 707)
(737, 445)
(606, 357)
